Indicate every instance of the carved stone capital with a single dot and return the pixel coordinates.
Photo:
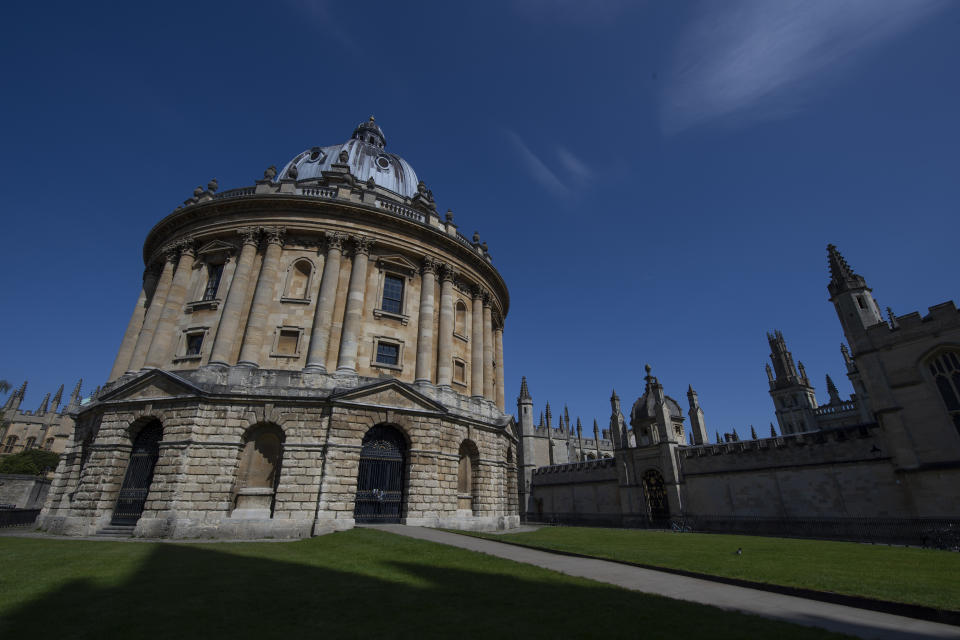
(335, 240)
(274, 235)
(172, 252)
(429, 265)
(448, 273)
(249, 235)
(477, 292)
(487, 298)
(188, 247)
(362, 244)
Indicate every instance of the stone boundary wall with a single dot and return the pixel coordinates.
(22, 491)
(586, 490)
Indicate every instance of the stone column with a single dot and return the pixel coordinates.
(347, 358)
(476, 342)
(262, 299)
(326, 301)
(445, 328)
(228, 332)
(136, 324)
(163, 338)
(488, 392)
(425, 322)
(152, 316)
(501, 394)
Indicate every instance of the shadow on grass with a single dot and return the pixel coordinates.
(395, 590)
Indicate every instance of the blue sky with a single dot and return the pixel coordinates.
(657, 181)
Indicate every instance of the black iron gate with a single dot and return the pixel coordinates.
(136, 484)
(658, 508)
(380, 476)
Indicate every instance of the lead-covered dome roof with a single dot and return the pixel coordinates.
(366, 157)
(646, 405)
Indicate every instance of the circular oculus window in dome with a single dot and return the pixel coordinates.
(383, 162)
(316, 155)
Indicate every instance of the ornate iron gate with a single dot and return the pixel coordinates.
(657, 505)
(380, 476)
(136, 484)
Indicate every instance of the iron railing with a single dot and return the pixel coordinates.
(937, 533)
(18, 517)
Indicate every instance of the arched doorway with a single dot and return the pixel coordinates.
(136, 483)
(380, 476)
(657, 506)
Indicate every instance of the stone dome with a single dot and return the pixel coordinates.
(365, 156)
(645, 406)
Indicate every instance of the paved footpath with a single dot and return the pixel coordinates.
(834, 617)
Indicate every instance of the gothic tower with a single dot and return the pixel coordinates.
(792, 393)
(852, 299)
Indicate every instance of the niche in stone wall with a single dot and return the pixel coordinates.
(298, 280)
(466, 476)
(258, 473)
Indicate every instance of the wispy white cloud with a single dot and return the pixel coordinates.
(319, 13)
(537, 169)
(598, 12)
(761, 59)
(577, 168)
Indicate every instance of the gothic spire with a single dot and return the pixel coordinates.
(524, 391)
(57, 397)
(842, 277)
(753, 432)
(75, 394)
(549, 417)
(832, 390)
(45, 405)
(773, 431)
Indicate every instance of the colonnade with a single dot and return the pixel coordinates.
(149, 339)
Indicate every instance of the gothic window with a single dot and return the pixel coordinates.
(656, 494)
(214, 274)
(31, 442)
(298, 280)
(48, 444)
(945, 370)
(392, 294)
(11, 443)
(460, 319)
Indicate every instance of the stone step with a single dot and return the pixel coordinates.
(116, 531)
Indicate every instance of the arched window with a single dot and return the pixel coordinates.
(460, 319)
(259, 472)
(11, 443)
(48, 444)
(945, 370)
(31, 442)
(466, 476)
(298, 280)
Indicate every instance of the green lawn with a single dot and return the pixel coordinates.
(898, 574)
(359, 583)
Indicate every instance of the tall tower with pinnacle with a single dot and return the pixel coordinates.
(696, 418)
(793, 396)
(852, 299)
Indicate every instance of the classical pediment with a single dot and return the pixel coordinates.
(390, 394)
(216, 246)
(155, 384)
(397, 263)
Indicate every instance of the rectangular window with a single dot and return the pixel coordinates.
(214, 273)
(388, 353)
(287, 342)
(392, 294)
(194, 342)
(459, 371)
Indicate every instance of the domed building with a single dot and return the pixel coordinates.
(313, 351)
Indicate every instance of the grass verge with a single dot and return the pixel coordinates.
(896, 574)
(359, 583)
